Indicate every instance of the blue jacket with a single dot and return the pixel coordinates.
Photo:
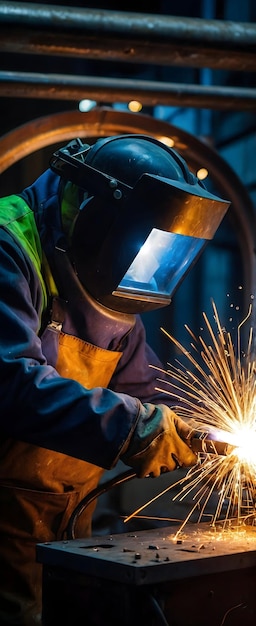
(38, 405)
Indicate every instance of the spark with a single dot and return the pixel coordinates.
(215, 391)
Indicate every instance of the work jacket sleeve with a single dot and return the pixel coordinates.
(140, 373)
(37, 405)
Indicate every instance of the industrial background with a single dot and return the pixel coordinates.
(192, 66)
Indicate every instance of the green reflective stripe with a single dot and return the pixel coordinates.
(19, 220)
(51, 285)
(69, 208)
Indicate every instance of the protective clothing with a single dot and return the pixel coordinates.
(42, 488)
(143, 221)
(57, 433)
(160, 443)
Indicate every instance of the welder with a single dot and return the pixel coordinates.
(106, 233)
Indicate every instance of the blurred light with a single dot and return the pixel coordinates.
(202, 173)
(168, 141)
(135, 106)
(86, 105)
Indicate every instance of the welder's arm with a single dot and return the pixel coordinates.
(160, 442)
(39, 406)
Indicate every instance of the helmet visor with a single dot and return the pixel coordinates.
(159, 266)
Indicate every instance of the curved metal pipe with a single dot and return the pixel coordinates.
(103, 122)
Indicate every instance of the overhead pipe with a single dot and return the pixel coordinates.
(128, 37)
(109, 90)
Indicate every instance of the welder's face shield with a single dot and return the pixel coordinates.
(134, 260)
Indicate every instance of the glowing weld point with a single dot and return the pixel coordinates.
(245, 441)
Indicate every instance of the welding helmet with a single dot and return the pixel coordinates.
(144, 219)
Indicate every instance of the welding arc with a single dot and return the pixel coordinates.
(92, 495)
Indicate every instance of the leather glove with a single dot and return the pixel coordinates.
(160, 442)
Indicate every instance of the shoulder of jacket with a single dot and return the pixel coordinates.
(13, 208)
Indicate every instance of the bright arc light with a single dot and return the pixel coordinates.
(215, 390)
(245, 445)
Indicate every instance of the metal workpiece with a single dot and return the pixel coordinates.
(153, 577)
(155, 556)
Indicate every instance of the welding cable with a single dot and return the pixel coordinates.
(92, 495)
(157, 609)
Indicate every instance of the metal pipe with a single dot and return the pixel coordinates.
(129, 37)
(122, 22)
(85, 47)
(149, 93)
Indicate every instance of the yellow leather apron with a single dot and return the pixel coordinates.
(40, 488)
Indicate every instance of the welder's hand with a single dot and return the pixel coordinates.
(160, 443)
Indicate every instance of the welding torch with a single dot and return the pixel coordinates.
(200, 442)
(207, 444)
